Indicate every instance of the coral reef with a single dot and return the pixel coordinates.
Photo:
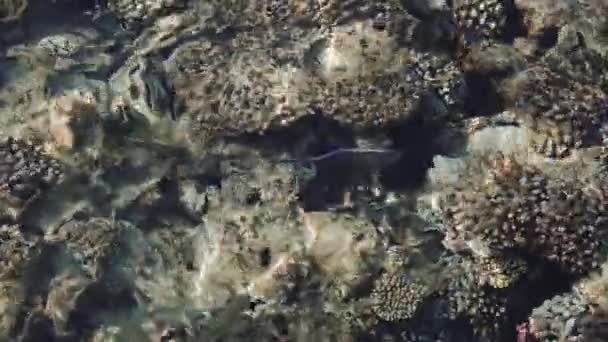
(303, 170)
(443, 77)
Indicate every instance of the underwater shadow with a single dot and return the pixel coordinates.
(422, 136)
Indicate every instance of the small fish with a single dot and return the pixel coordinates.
(378, 156)
(351, 160)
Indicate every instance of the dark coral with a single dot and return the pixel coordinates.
(519, 207)
(482, 305)
(477, 290)
(580, 63)
(25, 173)
(442, 76)
(16, 251)
(594, 326)
(563, 113)
(25, 169)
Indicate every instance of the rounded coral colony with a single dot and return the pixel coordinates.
(396, 297)
(519, 207)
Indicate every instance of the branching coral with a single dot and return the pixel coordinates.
(582, 64)
(397, 297)
(390, 94)
(578, 56)
(593, 326)
(519, 207)
(25, 169)
(20, 274)
(235, 13)
(594, 288)
(334, 73)
(559, 318)
(468, 297)
(484, 308)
